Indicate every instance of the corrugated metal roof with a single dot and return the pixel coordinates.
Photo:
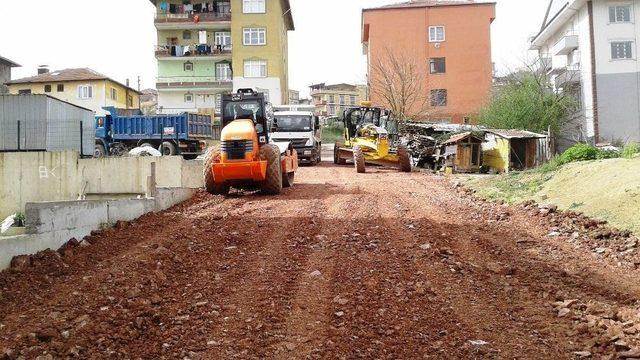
(516, 134)
(459, 137)
(81, 74)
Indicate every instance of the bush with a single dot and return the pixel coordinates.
(578, 152)
(631, 150)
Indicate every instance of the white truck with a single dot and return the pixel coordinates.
(299, 125)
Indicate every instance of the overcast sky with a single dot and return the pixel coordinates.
(117, 37)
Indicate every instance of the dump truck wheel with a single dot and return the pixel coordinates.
(405, 159)
(272, 185)
(358, 159)
(212, 156)
(99, 151)
(168, 148)
(336, 155)
(288, 179)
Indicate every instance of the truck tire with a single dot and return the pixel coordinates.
(168, 149)
(272, 185)
(99, 151)
(336, 155)
(212, 156)
(288, 179)
(358, 159)
(405, 159)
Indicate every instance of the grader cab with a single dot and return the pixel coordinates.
(246, 158)
(368, 139)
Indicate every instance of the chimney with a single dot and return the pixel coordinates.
(43, 69)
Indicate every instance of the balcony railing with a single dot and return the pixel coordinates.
(566, 44)
(191, 17)
(168, 82)
(192, 50)
(568, 75)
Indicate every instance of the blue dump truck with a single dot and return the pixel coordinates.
(181, 134)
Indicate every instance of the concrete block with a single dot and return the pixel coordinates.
(166, 198)
(46, 217)
(128, 210)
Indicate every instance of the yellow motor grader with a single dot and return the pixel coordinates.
(367, 140)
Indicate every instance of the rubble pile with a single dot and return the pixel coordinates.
(420, 143)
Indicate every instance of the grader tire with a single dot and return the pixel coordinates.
(405, 159)
(272, 185)
(211, 156)
(288, 179)
(336, 155)
(358, 159)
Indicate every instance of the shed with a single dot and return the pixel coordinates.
(44, 123)
(507, 150)
(466, 149)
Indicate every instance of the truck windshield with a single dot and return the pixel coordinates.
(293, 123)
(243, 110)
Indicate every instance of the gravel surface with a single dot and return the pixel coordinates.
(380, 265)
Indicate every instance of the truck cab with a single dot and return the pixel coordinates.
(302, 129)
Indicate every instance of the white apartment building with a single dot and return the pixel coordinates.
(590, 48)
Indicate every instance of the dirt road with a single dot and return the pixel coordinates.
(380, 265)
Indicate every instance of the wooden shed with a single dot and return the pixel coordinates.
(466, 152)
(506, 150)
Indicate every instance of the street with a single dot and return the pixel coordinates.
(343, 265)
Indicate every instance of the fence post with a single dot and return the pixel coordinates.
(18, 135)
(81, 141)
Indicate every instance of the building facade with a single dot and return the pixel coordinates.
(5, 73)
(451, 57)
(590, 50)
(82, 87)
(332, 100)
(207, 48)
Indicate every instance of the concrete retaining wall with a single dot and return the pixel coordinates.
(51, 224)
(62, 176)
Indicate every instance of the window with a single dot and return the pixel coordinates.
(130, 101)
(254, 6)
(466, 120)
(439, 97)
(24, 92)
(332, 99)
(438, 65)
(255, 68)
(622, 50)
(436, 33)
(223, 39)
(255, 36)
(352, 99)
(47, 88)
(186, 35)
(331, 109)
(188, 66)
(85, 92)
(114, 94)
(619, 14)
(223, 72)
(342, 100)
(60, 87)
(188, 98)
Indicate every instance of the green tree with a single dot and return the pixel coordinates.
(528, 101)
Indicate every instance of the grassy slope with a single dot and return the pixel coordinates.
(604, 189)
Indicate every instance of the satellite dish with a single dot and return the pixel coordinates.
(437, 45)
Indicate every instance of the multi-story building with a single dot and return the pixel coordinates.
(448, 42)
(83, 87)
(590, 49)
(5, 73)
(207, 48)
(331, 100)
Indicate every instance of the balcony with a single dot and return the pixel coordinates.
(568, 76)
(210, 20)
(206, 52)
(180, 83)
(566, 45)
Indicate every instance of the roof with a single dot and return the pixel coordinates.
(459, 137)
(7, 61)
(428, 3)
(334, 86)
(516, 134)
(50, 97)
(556, 22)
(81, 74)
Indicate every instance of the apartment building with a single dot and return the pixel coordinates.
(5, 73)
(590, 49)
(207, 48)
(82, 87)
(449, 42)
(332, 100)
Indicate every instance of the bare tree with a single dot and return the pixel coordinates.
(401, 84)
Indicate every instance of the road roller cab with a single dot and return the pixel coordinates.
(246, 158)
